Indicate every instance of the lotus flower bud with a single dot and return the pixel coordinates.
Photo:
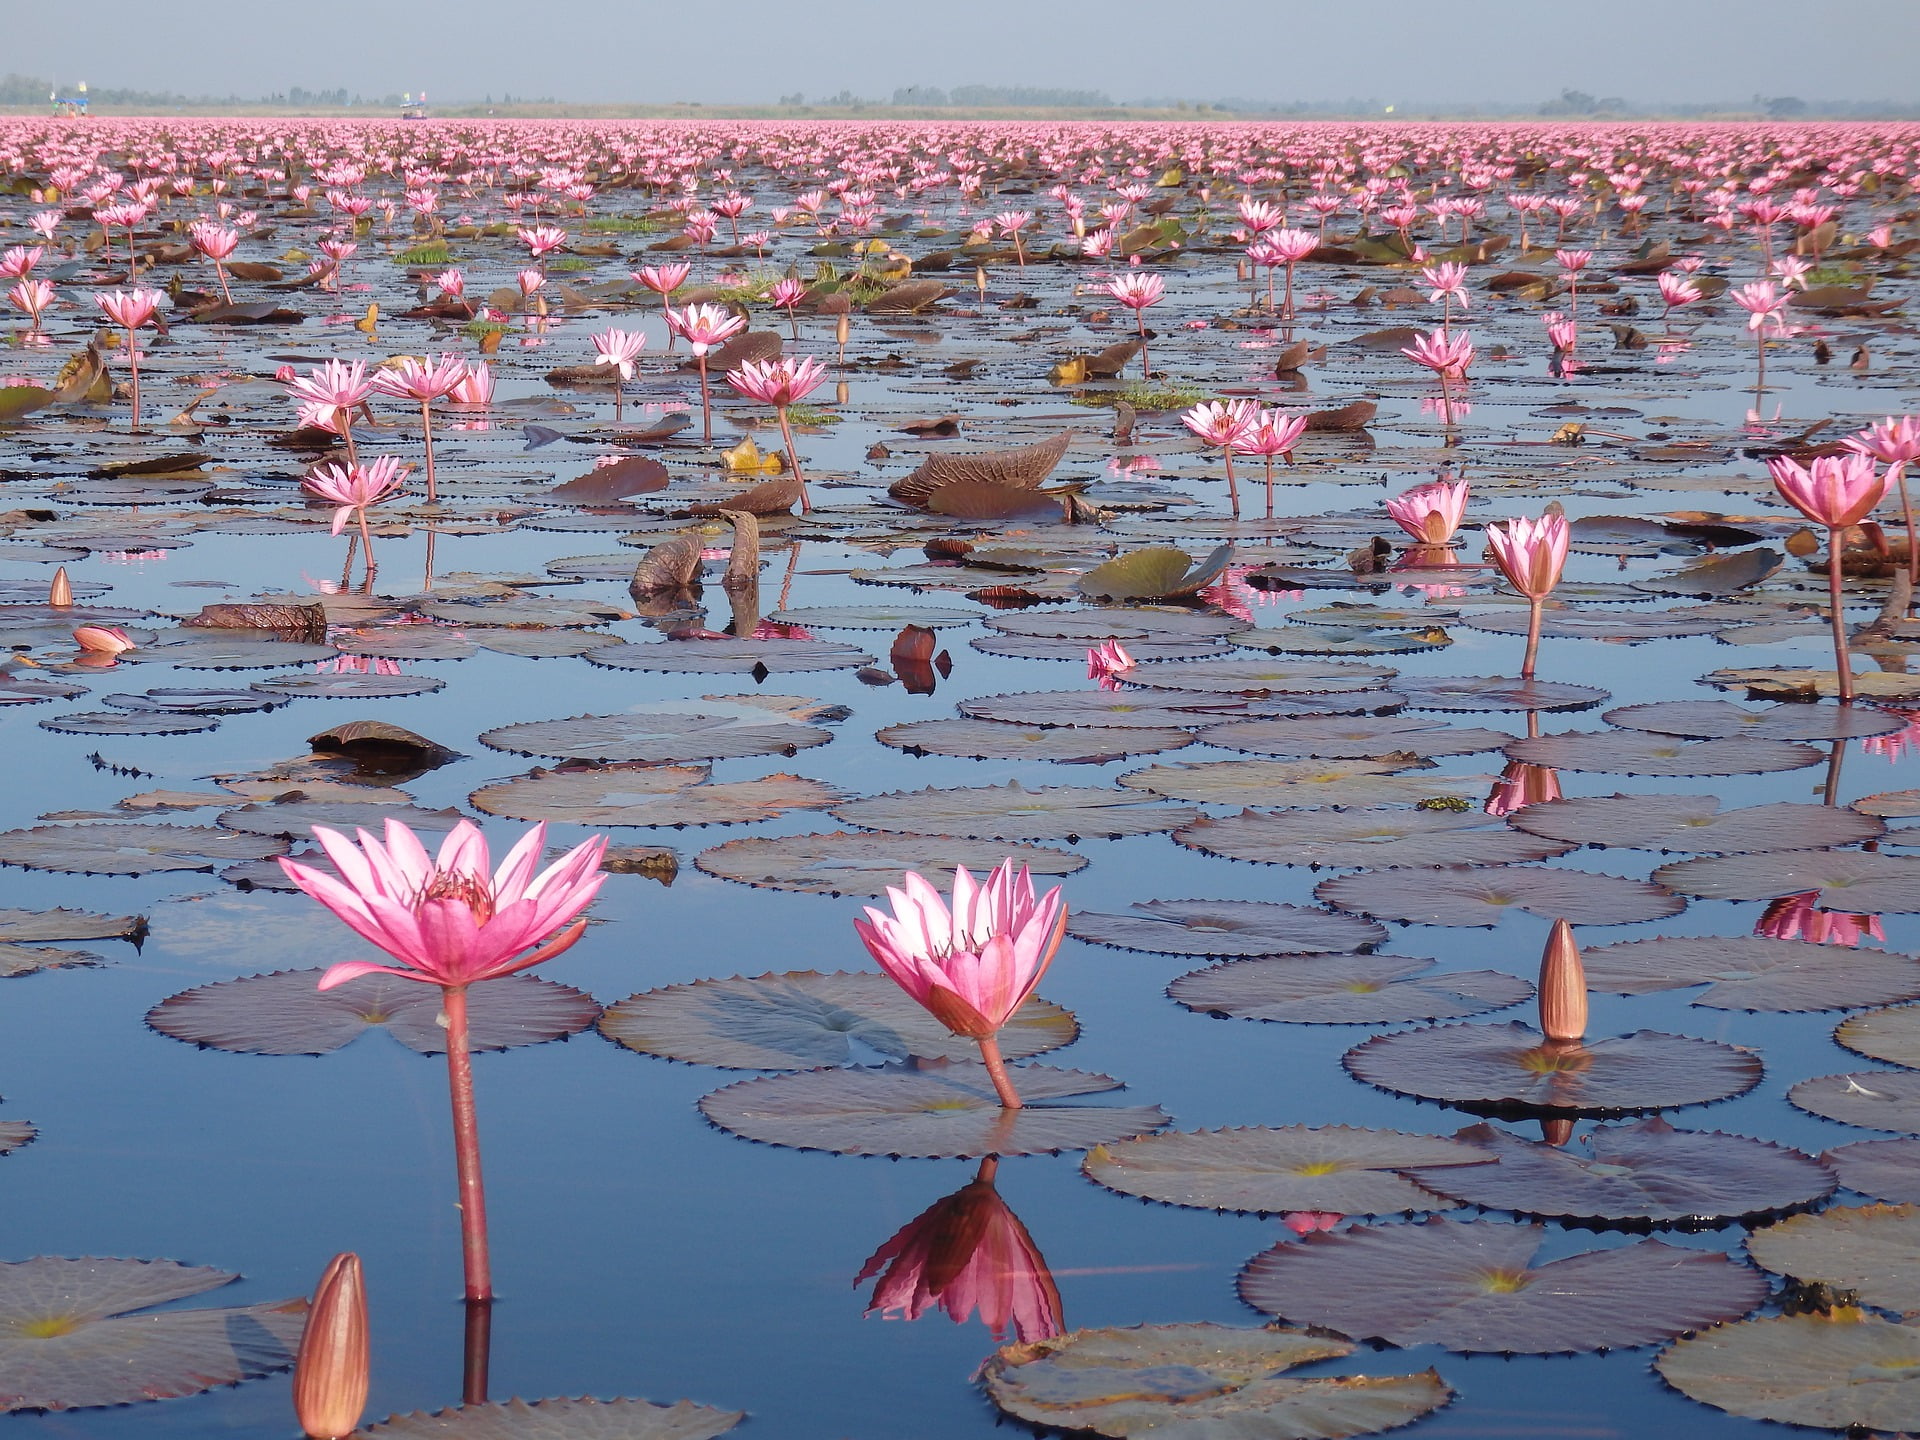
(61, 591)
(1557, 1131)
(1563, 987)
(330, 1375)
(102, 639)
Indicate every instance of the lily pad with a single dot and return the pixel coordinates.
(1130, 623)
(127, 722)
(665, 733)
(559, 1418)
(1365, 838)
(1754, 972)
(14, 1134)
(1158, 572)
(23, 927)
(1495, 692)
(17, 960)
(284, 1013)
(940, 1113)
(1224, 927)
(1258, 676)
(212, 654)
(803, 1018)
(1116, 709)
(1345, 990)
(1013, 812)
(1834, 1371)
(1258, 1169)
(992, 740)
(1633, 752)
(1644, 1171)
(1582, 623)
(1871, 1099)
(846, 863)
(1883, 1169)
(1474, 1286)
(72, 1335)
(1514, 1069)
(1190, 1382)
(1361, 738)
(349, 685)
(1483, 895)
(1872, 1250)
(1851, 880)
(731, 657)
(649, 795)
(1693, 823)
(1724, 720)
(1892, 1034)
(1303, 784)
(872, 617)
(131, 849)
(295, 819)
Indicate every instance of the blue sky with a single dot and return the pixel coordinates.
(753, 50)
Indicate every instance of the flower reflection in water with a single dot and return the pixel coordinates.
(1521, 785)
(1900, 742)
(967, 1253)
(1795, 917)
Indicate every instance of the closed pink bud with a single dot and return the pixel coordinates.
(102, 639)
(61, 591)
(1563, 987)
(330, 1376)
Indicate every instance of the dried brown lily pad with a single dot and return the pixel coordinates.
(1345, 990)
(1483, 895)
(1779, 681)
(1871, 1099)
(1186, 1382)
(1694, 823)
(639, 794)
(559, 1418)
(1302, 784)
(1013, 812)
(1224, 927)
(1360, 738)
(665, 733)
(1724, 720)
(1871, 1250)
(1754, 972)
(1835, 1371)
(845, 863)
(1514, 1069)
(1883, 1169)
(1850, 880)
(1643, 1171)
(1020, 468)
(131, 849)
(284, 1013)
(803, 1019)
(1633, 752)
(1274, 676)
(1891, 1034)
(993, 740)
(1263, 1170)
(73, 1335)
(731, 657)
(937, 1113)
(1473, 1286)
(14, 1134)
(1495, 692)
(1374, 838)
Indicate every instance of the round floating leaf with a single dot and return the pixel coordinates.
(1643, 1171)
(1511, 1068)
(128, 722)
(408, 642)
(1634, 752)
(1224, 927)
(540, 644)
(70, 1336)
(928, 1113)
(196, 702)
(1724, 720)
(1302, 784)
(1258, 677)
(1346, 990)
(112, 849)
(1834, 1371)
(542, 611)
(1188, 1382)
(1324, 640)
(1130, 623)
(846, 863)
(27, 926)
(1693, 823)
(1465, 895)
(1012, 812)
(1334, 1168)
(1871, 1099)
(731, 657)
(1365, 838)
(872, 617)
(1884, 1169)
(649, 795)
(1630, 626)
(659, 734)
(285, 1013)
(1361, 738)
(18, 960)
(1039, 647)
(1494, 692)
(1473, 1286)
(803, 1019)
(295, 819)
(1890, 804)
(1753, 972)
(1892, 1035)
(1117, 709)
(561, 1419)
(1850, 880)
(349, 685)
(1871, 1250)
(992, 740)
(242, 654)
(14, 1134)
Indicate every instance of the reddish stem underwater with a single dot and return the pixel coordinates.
(466, 1148)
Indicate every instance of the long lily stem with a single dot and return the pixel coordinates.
(476, 1352)
(1842, 665)
(426, 436)
(793, 460)
(706, 404)
(466, 1147)
(997, 1069)
(1535, 604)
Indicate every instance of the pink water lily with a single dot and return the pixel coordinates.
(1835, 491)
(1430, 513)
(1531, 555)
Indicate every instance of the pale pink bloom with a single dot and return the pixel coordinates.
(1795, 917)
(1449, 281)
(1572, 261)
(779, 383)
(1563, 334)
(352, 488)
(1137, 289)
(1106, 660)
(787, 293)
(1530, 553)
(1270, 432)
(33, 297)
(972, 966)
(1099, 245)
(704, 326)
(529, 281)
(445, 918)
(419, 380)
(45, 223)
(452, 283)
(1677, 288)
(216, 242)
(663, 279)
(618, 348)
(1445, 355)
(102, 639)
(1521, 785)
(1880, 237)
(541, 239)
(130, 309)
(1430, 513)
(476, 388)
(338, 384)
(18, 261)
(1898, 743)
(1221, 422)
(1835, 491)
(1892, 441)
(1763, 304)
(1292, 246)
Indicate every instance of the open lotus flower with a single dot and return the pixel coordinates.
(1835, 491)
(968, 1254)
(1107, 660)
(973, 965)
(1430, 513)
